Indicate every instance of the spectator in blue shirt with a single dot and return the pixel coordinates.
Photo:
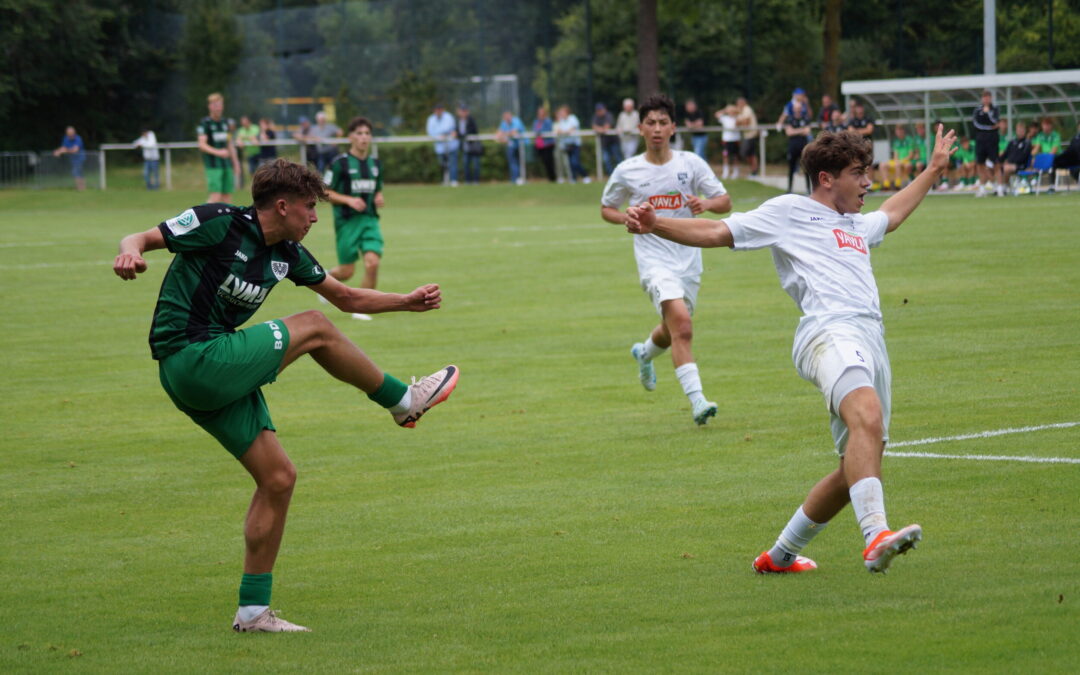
(442, 127)
(72, 145)
(511, 131)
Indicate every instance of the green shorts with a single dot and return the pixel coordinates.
(216, 383)
(357, 234)
(219, 179)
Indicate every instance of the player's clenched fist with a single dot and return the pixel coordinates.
(128, 265)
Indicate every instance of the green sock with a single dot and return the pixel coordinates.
(390, 392)
(255, 589)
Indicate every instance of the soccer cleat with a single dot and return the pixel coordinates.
(267, 622)
(429, 392)
(646, 371)
(888, 544)
(703, 410)
(763, 564)
(361, 317)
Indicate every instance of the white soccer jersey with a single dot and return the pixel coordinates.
(666, 187)
(821, 256)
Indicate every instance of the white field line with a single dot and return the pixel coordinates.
(20, 244)
(986, 434)
(51, 265)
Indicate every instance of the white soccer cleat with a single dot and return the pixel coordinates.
(267, 622)
(703, 410)
(646, 371)
(429, 392)
(887, 545)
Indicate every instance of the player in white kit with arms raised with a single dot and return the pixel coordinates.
(671, 181)
(821, 248)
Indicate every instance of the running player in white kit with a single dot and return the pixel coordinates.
(821, 248)
(670, 273)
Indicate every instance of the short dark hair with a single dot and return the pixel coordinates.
(282, 178)
(659, 103)
(835, 151)
(359, 121)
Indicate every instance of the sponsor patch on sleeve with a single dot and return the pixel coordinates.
(183, 223)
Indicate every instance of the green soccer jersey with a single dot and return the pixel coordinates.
(355, 177)
(1003, 142)
(922, 149)
(963, 156)
(217, 135)
(1043, 143)
(904, 149)
(222, 272)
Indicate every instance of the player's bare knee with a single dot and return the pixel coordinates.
(281, 481)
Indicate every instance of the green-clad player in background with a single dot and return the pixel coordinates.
(218, 152)
(227, 260)
(354, 183)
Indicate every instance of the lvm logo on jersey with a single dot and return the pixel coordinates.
(848, 240)
(668, 202)
(242, 293)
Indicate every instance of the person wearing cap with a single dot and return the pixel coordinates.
(440, 126)
(603, 124)
(798, 96)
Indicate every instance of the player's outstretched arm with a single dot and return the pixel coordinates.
(129, 262)
(700, 232)
(370, 301)
(900, 205)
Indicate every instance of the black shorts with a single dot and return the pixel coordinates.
(986, 147)
(731, 149)
(749, 147)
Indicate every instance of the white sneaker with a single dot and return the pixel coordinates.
(1000, 190)
(646, 371)
(703, 410)
(586, 180)
(267, 622)
(520, 181)
(429, 392)
(361, 317)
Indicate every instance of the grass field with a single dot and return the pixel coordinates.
(552, 516)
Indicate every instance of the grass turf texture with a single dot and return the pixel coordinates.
(552, 516)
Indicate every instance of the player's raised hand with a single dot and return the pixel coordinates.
(128, 265)
(640, 219)
(424, 298)
(943, 149)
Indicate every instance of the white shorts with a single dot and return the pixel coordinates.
(826, 354)
(663, 286)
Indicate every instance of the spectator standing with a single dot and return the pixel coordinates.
(726, 116)
(694, 118)
(247, 137)
(746, 120)
(304, 136)
(567, 127)
(511, 132)
(470, 145)
(797, 128)
(267, 152)
(798, 97)
(322, 132)
(72, 145)
(627, 126)
(218, 152)
(827, 108)
(604, 124)
(440, 126)
(151, 158)
(545, 145)
(836, 122)
(985, 118)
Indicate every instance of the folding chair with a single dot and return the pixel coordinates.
(1042, 163)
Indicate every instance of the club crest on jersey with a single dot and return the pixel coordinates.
(848, 240)
(183, 223)
(280, 269)
(670, 201)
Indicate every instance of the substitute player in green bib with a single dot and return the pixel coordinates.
(354, 183)
(218, 152)
(227, 260)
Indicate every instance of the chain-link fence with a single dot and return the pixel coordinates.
(42, 169)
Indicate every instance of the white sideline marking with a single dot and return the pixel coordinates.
(986, 434)
(16, 244)
(49, 265)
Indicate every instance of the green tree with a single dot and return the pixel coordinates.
(210, 50)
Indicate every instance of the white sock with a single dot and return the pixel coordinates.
(868, 500)
(690, 381)
(651, 351)
(403, 405)
(249, 612)
(796, 535)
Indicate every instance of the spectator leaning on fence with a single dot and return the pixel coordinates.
(72, 145)
(627, 126)
(510, 133)
(151, 158)
(471, 146)
(440, 126)
(603, 124)
(247, 138)
(267, 152)
(545, 145)
(694, 120)
(746, 120)
(322, 132)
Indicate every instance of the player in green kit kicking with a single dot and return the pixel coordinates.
(218, 152)
(227, 260)
(354, 182)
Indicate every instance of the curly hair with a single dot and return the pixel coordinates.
(659, 103)
(835, 151)
(282, 178)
